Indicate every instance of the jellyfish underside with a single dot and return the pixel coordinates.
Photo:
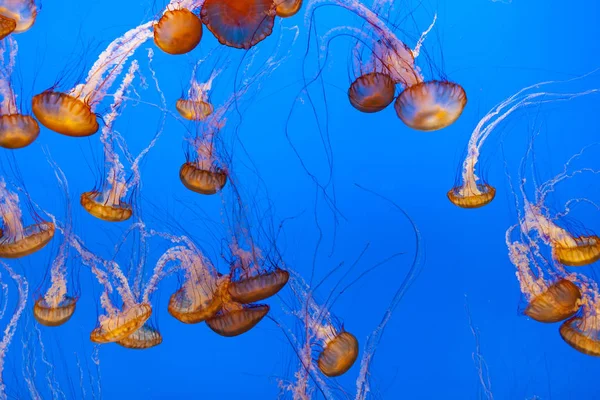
(201, 180)
(461, 199)
(64, 114)
(194, 110)
(143, 338)
(17, 131)
(234, 322)
(587, 251)
(259, 287)
(35, 237)
(582, 338)
(54, 314)
(339, 355)
(23, 12)
(239, 24)
(7, 26)
(288, 8)
(372, 92)
(429, 106)
(104, 211)
(178, 31)
(182, 309)
(122, 325)
(560, 301)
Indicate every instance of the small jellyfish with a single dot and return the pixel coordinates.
(288, 8)
(197, 106)
(18, 240)
(144, 338)
(339, 354)
(22, 13)
(72, 113)
(234, 318)
(239, 24)
(178, 31)
(470, 191)
(372, 92)
(582, 332)
(251, 279)
(17, 130)
(120, 324)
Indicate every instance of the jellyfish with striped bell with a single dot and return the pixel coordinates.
(582, 332)
(550, 295)
(252, 279)
(287, 8)
(203, 173)
(16, 16)
(17, 129)
(381, 60)
(239, 24)
(196, 105)
(18, 240)
(143, 338)
(234, 318)
(72, 113)
(178, 31)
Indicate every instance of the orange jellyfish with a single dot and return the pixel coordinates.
(287, 8)
(239, 24)
(17, 16)
(196, 106)
(72, 113)
(234, 318)
(17, 130)
(178, 31)
(470, 191)
(582, 332)
(144, 338)
(251, 279)
(18, 240)
(382, 61)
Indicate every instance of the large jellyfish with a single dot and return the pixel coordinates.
(178, 31)
(18, 240)
(16, 16)
(470, 191)
(72, 113)
(422, 105)
(17, 130)
(110, 201)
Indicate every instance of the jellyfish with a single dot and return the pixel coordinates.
(422, 105)
(17, 130)
(470, 191)
(582, 331)
(239, 24)
(252, 279)
(11, 327)
(110, 201)
(287, 8)
(18, 240)
(197, 107)
(144, 338)
(72, 113)
(178, 31)
(17, 16)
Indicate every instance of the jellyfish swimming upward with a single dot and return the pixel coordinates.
(178, 31)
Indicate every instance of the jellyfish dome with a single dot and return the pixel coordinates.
(583, 334)
(118, 326)
(178, 31)
(144, 338)
(29, 240)
(288, 8)
(22, 12)
(183, 307)
(54, 314)
(258, 287)
(112, 211)
(472, 196)
(64, 114)
(239, 24)
(585, 251)
(558, 302)
(338, 355)
(194, 110)
(372, 92)
(7, 26)
(235, 319)
(432, 105)
(17, 131)
(202, 178)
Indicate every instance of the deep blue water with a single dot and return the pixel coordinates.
(492, 49)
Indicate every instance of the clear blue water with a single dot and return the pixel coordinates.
(492, 49)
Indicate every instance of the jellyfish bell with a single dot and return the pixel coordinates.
(583, 334)
(64, 114)
(468, 196)
(182, 308)
(558, 302)
(145, 337)
(113, 328)
(239, 24)
(431, 105)
(22, 12)
(95, 204)
(17, 131)
(32, 238)
(585, 251)
(178, 31)
(194, 110)
(372, 92)
(202, 178)
(258, 287)
(7, 26)
(338, 355)
(234, 319)
(288, 8)
(53, 314)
